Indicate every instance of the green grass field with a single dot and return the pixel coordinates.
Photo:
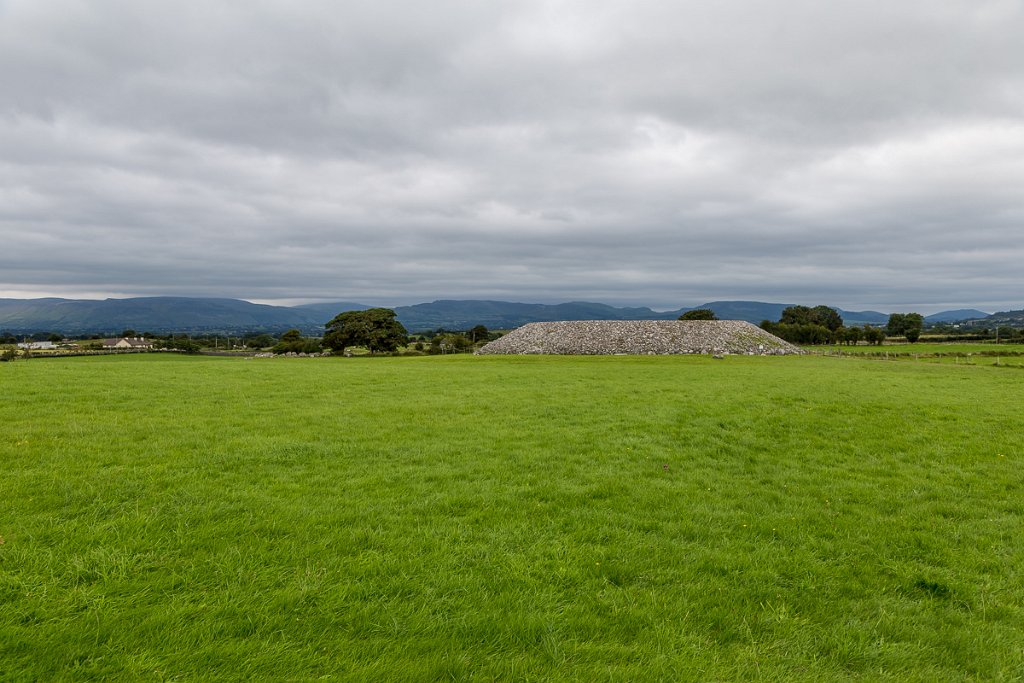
(957, 354)
(510, 518)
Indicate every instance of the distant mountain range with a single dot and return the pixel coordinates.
(956, 316)
(152, 314)
(234, 316)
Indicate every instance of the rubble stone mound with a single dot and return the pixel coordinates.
(640, 337)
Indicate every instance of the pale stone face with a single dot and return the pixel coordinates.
(640, 337)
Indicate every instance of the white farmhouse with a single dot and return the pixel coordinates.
(133, 343)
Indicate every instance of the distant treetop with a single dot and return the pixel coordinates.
(699, 314)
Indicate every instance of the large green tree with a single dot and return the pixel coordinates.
(479, 334)
(795, 333)
(852, 335)
(907, 325)
(873, 335)
(825, 316)
(796, 315)
(806, 325)
(375, 328)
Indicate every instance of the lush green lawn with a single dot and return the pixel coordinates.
(457, 518)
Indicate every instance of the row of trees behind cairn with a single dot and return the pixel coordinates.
(824, 325)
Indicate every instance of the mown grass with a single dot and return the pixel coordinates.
(923, 348)
(460, 518)
(999, 355)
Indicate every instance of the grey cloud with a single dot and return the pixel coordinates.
(864, 154)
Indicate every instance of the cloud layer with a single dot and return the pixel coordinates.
(864, 154)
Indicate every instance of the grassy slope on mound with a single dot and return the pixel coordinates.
(674, 518)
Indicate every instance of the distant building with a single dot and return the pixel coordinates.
(132, 343)
(37, 346)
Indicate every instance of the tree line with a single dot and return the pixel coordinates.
(376, 329)
(379, 331)
(823, 325)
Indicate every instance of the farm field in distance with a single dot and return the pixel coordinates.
(1009, 355)
(515, 518)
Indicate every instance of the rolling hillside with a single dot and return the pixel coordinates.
(153, 314)
(955, 316)
(235, 316)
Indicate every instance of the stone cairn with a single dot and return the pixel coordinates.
(641, 337)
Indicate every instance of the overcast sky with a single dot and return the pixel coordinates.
(864, 154)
